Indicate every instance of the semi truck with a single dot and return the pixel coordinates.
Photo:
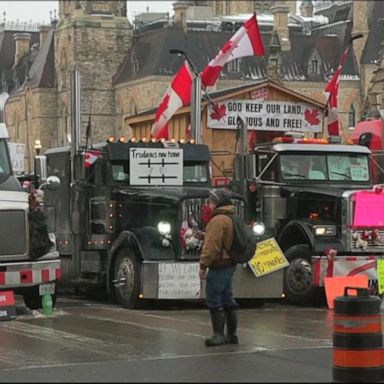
(370, 133)
(21, 272)
(128, 218)
(321, 204)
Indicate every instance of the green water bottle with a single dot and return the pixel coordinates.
(47, 304)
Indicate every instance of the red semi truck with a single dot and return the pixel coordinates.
(371, 134)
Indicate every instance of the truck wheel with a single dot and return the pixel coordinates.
(298, 279)
(33, 300)
(127, 279)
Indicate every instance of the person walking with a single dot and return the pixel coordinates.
(217, 268)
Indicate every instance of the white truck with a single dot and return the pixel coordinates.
(28, 277)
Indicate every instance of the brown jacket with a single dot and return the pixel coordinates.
(218, 236)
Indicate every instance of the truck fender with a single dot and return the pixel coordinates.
(125, 239)
(296, 232)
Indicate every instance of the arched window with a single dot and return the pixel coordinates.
(351, 116)
(314, 67)
(64, 133)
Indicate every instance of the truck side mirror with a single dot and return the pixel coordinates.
(53, 183)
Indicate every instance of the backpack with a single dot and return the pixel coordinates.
(244, 242)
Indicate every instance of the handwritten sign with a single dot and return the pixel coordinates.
(334, 286)
(160, 166)
(367, 212)
(17, 152)
(264, 115)
(268, 258)
(380, 274)
(179, 281)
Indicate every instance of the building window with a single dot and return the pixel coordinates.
(351, 116)
(314, 67)
(233, 66)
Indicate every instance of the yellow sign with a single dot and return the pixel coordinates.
(268, 258)
(380, 274)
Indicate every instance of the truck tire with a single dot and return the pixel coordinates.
(33, 300)
(298, 280)
(127, 279)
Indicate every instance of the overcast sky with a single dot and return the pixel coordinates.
(38, 11)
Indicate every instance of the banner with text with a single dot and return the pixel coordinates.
(264, 115)
(17, 153)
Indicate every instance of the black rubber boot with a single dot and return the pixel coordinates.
(218, 322)
(231, 317)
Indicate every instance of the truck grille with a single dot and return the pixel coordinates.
(12, 233)
(373, 245)
(192, 208)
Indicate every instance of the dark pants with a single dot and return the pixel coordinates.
(219, 288)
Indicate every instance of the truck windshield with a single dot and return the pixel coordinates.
(195, 173)
(346, 167)
(5, 166)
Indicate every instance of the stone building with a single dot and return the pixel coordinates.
(126, 69)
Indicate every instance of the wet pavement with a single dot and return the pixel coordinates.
(90, 341)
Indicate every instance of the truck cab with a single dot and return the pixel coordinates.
(130, 216)
(370, 133)
(19, 272)
(305, 192)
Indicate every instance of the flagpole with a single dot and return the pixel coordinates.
(197, 86)
(336, 76)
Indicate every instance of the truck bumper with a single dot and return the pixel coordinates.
(322, 267)
(29, 273)
(180, 280)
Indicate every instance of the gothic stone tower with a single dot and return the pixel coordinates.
(93, 37)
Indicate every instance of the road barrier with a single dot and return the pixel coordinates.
(357, 337)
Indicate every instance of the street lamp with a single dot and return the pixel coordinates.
(196, 97)
(38, 147)
(179, 52)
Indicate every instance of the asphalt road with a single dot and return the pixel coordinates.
(89, 341)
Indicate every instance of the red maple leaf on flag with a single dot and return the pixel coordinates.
(227, 47)
(312, 116)
(162, 107)
(219, 111)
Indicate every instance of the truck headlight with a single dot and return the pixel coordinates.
(164, 228)
(324, 230)
(258, 229)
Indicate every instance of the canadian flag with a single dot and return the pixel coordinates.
(332, 91)
(90, 157)
(178, 95)
(245, 42)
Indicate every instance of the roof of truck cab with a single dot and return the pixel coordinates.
(284, 147)
(120, 151)
(191, 152)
